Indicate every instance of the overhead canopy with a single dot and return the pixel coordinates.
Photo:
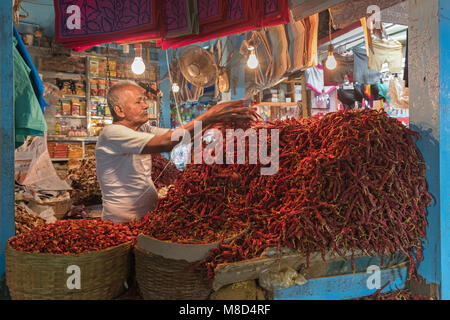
(346, 12)
(80, 24)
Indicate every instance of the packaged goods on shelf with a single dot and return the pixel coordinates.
(101, 68)
(95, 102)
(101, 88)
(89, 150)
(66, 88)
(51, 149)
(61, 150)
(58, 109)
(75, 107)
(80, 88)
(112, 68)
(82, 108)
(66, 107)
(75, 151)
(78, 132)
(120, 70)
(62, 128)
(94, 67)
(94, 87)
(107, 111)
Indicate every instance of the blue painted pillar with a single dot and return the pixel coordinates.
(444, 111)
(429, 85)
(7, 135)
(165, 88)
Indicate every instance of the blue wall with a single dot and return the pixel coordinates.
(444, 111)
(41, 13)
(7, 135)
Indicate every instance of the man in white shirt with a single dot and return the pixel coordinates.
(124, 147)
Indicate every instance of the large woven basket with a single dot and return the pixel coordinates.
(36, 276)
(159, 278)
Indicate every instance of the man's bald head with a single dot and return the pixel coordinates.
(115, 94)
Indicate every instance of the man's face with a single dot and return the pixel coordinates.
(134, 105)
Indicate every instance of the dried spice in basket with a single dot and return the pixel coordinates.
(72, 237)
(86, 189)
(25, 221)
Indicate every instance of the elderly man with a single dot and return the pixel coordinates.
(124, 147)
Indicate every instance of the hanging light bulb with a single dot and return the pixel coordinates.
(138, 65)
(252, 61)
(175, 87)
(331, 63)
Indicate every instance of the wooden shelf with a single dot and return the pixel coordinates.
(276, 104)
(70, 117)
(61, 75)
(65, 159)
(120, 79)
(43, 51)
(69, 96)
(71, 139)
(101, 118)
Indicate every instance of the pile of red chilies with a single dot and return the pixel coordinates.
(164, 172)
(72, 237)
(350, 180)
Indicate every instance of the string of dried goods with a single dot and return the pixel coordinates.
(86, 189)
(164, 172)
(352, 180)
(72, 237)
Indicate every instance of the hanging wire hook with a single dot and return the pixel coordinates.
(174, 95)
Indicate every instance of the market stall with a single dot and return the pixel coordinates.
(335, 202)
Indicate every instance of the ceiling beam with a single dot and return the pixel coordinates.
(304, 8)
(339, 33)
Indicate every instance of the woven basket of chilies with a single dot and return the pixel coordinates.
(69, 268)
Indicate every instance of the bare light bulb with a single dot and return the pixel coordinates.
(252, 61)
(331, 63)
(138, 66)
(175, 88)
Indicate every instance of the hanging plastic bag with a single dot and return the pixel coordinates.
(398, 93)
(34, 168)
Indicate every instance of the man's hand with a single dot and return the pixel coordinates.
(222, 112)
(228, 111)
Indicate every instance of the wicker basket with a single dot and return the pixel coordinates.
(36, 276)
(60, 207)
(159, 278)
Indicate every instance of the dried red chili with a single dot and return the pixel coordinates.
(348, 180)
(72, 237)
